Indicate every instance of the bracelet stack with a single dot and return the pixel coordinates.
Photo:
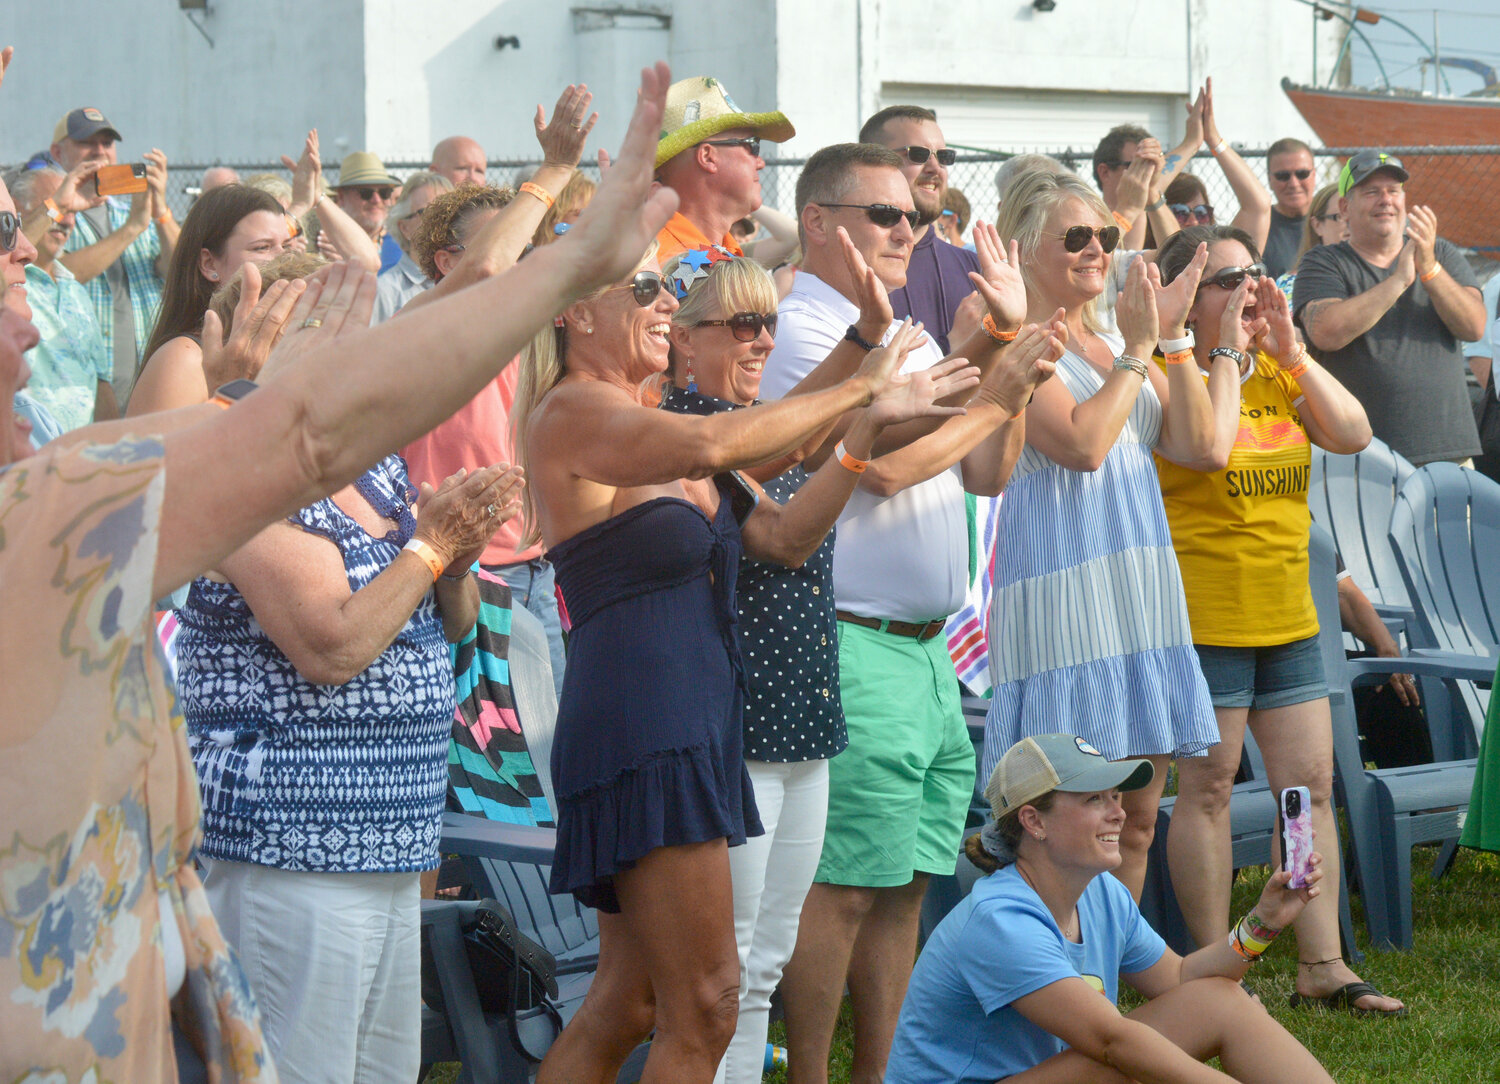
(1299, 366)
(1134, 364)
(1251, 938)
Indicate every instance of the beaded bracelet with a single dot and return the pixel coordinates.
(538, 191)
(1134, 364)
(992, 329)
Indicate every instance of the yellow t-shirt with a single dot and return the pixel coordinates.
(1241, 533)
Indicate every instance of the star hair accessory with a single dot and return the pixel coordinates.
(695, 264)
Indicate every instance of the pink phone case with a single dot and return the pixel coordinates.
(1296, 834)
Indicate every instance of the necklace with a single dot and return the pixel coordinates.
(1070, 930)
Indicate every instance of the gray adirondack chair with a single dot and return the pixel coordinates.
(1351, 497)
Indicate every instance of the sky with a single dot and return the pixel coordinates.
(1469, 28)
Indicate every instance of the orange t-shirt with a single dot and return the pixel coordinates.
(478, 435)
(679, 235)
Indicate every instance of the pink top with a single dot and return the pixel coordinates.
(479, 435)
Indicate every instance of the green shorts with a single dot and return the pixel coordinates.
(898, 796)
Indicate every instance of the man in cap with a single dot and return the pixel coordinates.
(709, 154)
(1386, 312)
(460, 159)
(366, 191)
(115, 251)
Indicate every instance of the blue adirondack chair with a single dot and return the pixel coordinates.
(1351, 497)
(1389, 810)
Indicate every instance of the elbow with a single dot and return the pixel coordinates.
(882, 483)
(1084, 460)
(326, 665)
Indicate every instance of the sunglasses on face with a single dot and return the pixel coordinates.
(1183, 210)
(1284, 175)
(10, 228)
(917, 155)
(1078, 237)
(1331, 217)
(884, 215)
(645, 286)
(750, 143)
(1229, 278)
(368, 194)
(745, 326)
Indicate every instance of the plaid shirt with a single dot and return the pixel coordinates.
(139, 261)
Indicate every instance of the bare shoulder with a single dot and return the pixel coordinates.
(172, 377)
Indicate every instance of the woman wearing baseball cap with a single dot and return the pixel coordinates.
(1008, 986)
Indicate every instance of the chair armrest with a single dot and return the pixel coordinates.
(476, 837)
(1393, 612)
(1426, 663)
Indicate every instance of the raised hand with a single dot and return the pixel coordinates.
(1027, 362)
(336, 300)
(1206, 111)
(69, 194)
(1174, 301)
(156, 181)
(1421, 228)
(307, 176)
(258, 326)
(1135, 312)
(918, 395)
(563, 137)
(884, 362)
(870, 295)
(1136, 184)
(1193, 129)
(1279, 336)
(998, 279)
(459, 517)
(1406, 262)
(5, 55)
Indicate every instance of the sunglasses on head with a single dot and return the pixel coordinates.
(745, 326)
(386, 192)
(884, 215)
(750, 143)
(645, 286)
(1284, 175)
(10, 228)
(1077, 238)
(1229, 278)
(917, 155)
(1183, 210)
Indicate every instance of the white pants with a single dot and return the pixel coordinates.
(335, 962)
(771, 875)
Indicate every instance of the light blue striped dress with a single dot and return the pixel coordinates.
(1089, 625)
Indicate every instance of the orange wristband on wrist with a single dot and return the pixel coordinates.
(1431, 273)
(1178, 357)
(847, 461)
(992, 329)
(1121, 221)
(539, 192)
(428, 556)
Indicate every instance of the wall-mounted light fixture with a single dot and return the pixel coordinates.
(1044, 5)
(507, 41)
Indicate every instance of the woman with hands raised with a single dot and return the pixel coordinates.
(1240, 531)
(339, 236)
(1089, 630)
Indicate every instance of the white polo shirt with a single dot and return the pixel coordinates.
(900, 558)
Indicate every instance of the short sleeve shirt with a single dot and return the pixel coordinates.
(71, 358)
(1408, 370)
(958, 1024)
(1282, 242)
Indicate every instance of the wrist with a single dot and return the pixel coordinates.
(1431, 272)
(870, 332)
(430, 558)
(995, 331)
(1158, 202)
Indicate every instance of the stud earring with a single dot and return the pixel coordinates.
(588, 331)
(213, 276)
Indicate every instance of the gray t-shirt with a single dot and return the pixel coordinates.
(1282, 243)
(1408, 370)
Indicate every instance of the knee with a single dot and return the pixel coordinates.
(1207, 792)
(1219, 997)
(1138, 832)
(849, 904)
(710, 1011)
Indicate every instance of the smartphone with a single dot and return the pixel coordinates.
(1296, 834)
(124, 180)
(742, 495)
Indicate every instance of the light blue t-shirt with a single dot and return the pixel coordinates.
(999, 944)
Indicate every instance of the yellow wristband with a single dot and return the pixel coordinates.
(1179, 357)
(1431, 273)
(539, 192)
(992, 329)
(428, 556)
(847, 461)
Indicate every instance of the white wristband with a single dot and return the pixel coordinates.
(1171, 346)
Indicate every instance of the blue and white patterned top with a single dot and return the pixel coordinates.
(1089, 624)
(325, 778)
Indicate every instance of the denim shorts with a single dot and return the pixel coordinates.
(1263, 677)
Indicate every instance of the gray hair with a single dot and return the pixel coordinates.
(278, 188)
(21, 183)
(1013, 168)
(413, 184)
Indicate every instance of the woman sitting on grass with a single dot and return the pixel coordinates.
(1008, 985)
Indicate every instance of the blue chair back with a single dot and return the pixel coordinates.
(1351, 497)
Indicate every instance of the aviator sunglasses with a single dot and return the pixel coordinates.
(1284, 175)
(10, 227)
(1078, 237)
(1229, 278)
(645, 286)
(917, 155)
(884, 215)
(745, 326)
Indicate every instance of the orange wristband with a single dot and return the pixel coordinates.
(1179, 357)
(992, 329)
(847, 461)
(1432, 273)
(1123, 222)
(428, 556)
(539, 192)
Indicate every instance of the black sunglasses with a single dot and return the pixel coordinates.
(1229, 278)
(883, 215)
(646, 285)
(10, 227)
(917, 155)
(1078, 237)
(745, 325)
(1201, 210)
(1284, 175)
(1332, 216)
(368, 193)
(750, 143)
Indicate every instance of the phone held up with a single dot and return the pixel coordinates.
(123, 180)
(1295, 816)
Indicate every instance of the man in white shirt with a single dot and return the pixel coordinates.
(899, 793)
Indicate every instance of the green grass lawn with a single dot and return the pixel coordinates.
(1451, 980)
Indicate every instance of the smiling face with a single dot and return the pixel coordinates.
(1083, 830)
(257, 238)
(16, 337)
(13, 264)
(929, 180)
(1208, 307)
(1294, 194)
(1375, 210)
(369, 213)
(1063, 278)
(636, 337)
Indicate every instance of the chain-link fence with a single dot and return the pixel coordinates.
(1460, 183)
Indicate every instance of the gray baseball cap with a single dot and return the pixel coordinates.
(83, 124)
(1034, 766)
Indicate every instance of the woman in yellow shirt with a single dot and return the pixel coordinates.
(1241, 539)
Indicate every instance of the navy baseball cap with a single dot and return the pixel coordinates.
(82, 124)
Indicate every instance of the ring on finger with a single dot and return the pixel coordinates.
(490, 510)
(312, 321)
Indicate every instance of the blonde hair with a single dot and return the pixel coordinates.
(738, 284)
(289, 265)
(1023, 216)
(574, 197)
(1319, 206)
(543, 364)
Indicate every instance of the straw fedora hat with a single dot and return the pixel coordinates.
(700, 108)
(363, 167)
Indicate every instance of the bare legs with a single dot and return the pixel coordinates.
(667, 958)
(1140, 827)
(1198, 840)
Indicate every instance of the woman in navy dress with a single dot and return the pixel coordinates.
(645, 523)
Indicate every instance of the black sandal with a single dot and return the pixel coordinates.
(1343, 999)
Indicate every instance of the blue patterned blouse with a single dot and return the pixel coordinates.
(325, 778)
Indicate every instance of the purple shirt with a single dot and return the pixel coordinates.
(937, 281)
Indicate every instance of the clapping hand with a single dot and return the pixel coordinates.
(563, 137)
(1135, 311)
(307, 176)
(998, 279)
(1174, 301)
(1027, 362)
(258, 326)
(338, 298)
(870, 294)
(459, 517)
(1421, 228)
(915, 395)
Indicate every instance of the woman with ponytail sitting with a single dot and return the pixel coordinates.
(1007, 988)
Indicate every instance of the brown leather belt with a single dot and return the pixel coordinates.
(925, 631)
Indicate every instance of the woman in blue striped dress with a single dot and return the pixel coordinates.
(1090, 627)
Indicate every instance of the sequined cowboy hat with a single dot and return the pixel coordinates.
(700, 108)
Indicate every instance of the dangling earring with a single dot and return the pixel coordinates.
(692, 381)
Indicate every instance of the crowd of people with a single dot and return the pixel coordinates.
(270, 473)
